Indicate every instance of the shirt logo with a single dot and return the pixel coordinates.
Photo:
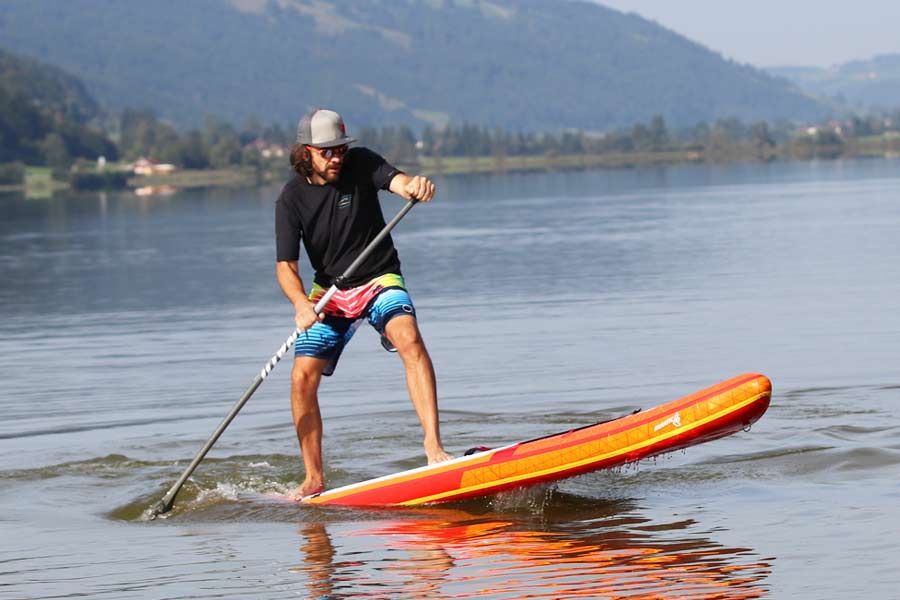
(345, 201)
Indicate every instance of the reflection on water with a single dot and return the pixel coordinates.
(319, 562)
(611, 551)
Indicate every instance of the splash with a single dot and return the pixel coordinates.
(533, 499)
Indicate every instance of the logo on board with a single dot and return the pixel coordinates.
(674, 420)
(345, 201)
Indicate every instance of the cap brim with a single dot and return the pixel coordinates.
(333, 143)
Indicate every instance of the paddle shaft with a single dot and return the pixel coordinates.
(168, 500)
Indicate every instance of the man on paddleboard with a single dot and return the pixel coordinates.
(331, 205)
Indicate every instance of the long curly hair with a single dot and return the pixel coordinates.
(301, 160)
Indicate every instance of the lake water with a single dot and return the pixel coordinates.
(129, 326)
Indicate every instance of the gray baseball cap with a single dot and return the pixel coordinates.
(322, 128)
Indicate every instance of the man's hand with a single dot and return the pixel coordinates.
(419, 187)
(306, 316)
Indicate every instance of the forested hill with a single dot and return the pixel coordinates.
(44, 114)
(516, 64)
(53, 88)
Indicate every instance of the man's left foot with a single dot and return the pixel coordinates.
(437, 456)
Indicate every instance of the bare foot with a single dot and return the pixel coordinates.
(308, 488)
(436, 456)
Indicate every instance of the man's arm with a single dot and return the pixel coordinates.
(412, 186)
(288, 274)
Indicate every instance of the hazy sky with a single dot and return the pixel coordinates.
(768, 33)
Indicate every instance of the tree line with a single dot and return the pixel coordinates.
(217, 145)
(722, 137)
(34, 134)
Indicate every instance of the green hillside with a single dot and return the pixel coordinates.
(517, 64)
(44, 114)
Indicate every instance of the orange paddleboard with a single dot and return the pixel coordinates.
(712, 413)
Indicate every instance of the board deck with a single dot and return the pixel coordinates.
(714, 412)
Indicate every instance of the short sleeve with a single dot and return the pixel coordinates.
(374, 167)
(288, 230)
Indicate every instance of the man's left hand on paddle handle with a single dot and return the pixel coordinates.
(419, 187)
(305, 316)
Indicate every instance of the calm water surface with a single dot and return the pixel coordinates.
(129, 326)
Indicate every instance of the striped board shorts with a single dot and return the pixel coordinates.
(377, 302)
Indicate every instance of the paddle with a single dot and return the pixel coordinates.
(168, 500)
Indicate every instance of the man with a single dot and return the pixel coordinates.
(332, 206)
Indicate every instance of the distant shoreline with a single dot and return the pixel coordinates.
(456, 165)
(498, 164)
(193, 178)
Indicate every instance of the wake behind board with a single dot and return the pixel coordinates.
(706, 415)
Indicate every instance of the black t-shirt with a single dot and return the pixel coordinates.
(337, 221)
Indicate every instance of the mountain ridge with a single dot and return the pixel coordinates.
(525, 64)
(872, 83)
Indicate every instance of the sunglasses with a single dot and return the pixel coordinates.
(328, 153)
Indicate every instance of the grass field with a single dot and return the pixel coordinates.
(39, 182)
(887, 144)
(500, 164)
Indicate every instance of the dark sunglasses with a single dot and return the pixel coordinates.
(331, 152)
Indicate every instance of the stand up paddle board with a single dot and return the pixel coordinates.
(712, 413)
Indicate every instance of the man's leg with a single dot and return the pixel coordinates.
(403, 332)
(305, 378)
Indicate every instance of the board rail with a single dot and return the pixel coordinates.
(714, 412)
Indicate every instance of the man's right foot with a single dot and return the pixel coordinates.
(308, 488)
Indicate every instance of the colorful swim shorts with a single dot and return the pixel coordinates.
(378, 302)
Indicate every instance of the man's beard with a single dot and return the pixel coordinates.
(327, 174)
